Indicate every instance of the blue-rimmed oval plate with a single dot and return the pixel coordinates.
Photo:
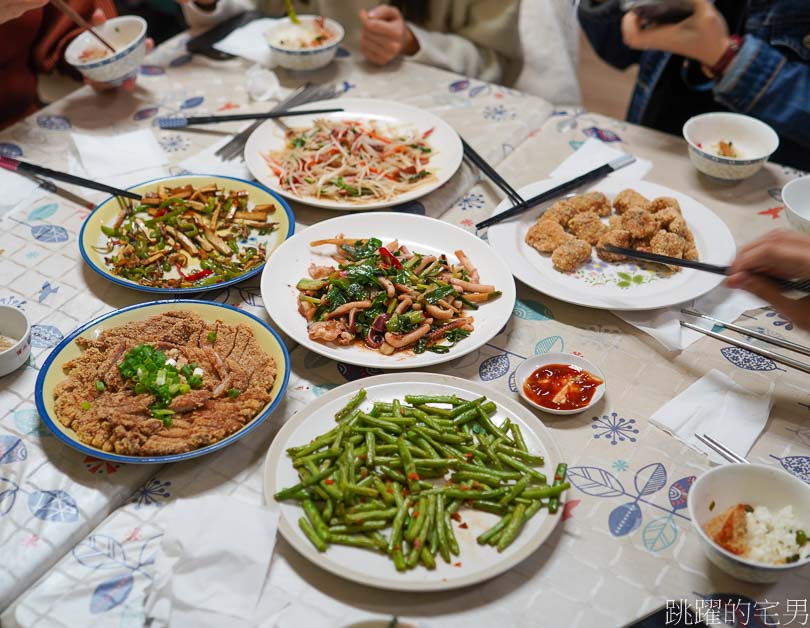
(94, 244)
(52, 371)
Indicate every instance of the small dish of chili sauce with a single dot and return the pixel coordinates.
(565, 385)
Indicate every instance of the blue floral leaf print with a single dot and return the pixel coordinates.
(512, 382)
(342, 53)
(601, 134)
(459, 86)
(614, 428)
(575, 144)
(547, 345)
(10, 150)
(190, 103)
(478, 90)
(494, 367)
(747, 360)
(111, 593)
(42, 212)
(53, 123)
(8, 496)
(99, 551)
(149, 550)
(146, 113)
(320, 389)
(796, 465)
(650, 479)
(50, 234)
(28, 422)
(12, 449)
(53, 506)
(351, 372)
(180, 61)
(595, 482)
(659, 534)
(624, 519)
(530, 310)
(45, 336)
(679, 492)
(152, 70)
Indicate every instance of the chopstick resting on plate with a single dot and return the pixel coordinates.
(180, 122)
(785, 284)
(772, 355)
(65, 8)
(563, 188)
(22, 167)
(479, 162)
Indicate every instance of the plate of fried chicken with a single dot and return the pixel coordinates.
(557, 247)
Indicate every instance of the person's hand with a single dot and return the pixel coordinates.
(703, 37)
(12, 9)
(98, 18)
(385, 35)
(781, 254)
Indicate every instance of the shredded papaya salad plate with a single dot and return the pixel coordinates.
(409, 292)
(372, 154)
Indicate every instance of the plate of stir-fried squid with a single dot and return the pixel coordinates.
(373, 154)
(188, 234)
(388, 290)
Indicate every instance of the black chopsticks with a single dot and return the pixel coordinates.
(181, 122)
(555, 192)
(23, 167)
(480, 163)
(785, 284)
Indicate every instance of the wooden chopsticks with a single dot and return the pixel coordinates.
(65, 8)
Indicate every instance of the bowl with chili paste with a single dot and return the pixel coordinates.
(560, 383)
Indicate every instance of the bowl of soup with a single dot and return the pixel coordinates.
(309, 45)
(15, 339)
(126, 34)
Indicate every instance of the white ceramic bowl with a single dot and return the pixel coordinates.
(14, 324)
(304, 58)
(127, 34)
(754, 140)
(754, 484)
(532, 364)
(796, 197)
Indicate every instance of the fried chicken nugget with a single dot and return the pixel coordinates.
(587, 226)
(691, 253)
(664, 202)
(570, 255)
(627, 199)
(615, 222)
(560, 212)
(665, 243)
(679, 227)
(639, 222)
(614, 237)
(666, 216)
(595, 202)
(546, 235)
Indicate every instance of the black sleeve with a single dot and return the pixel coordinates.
(602, 23)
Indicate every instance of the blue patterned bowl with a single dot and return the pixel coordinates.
(304, 58)
(14, 324)
(127, 34)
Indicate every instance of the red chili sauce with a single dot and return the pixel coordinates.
(561, 386)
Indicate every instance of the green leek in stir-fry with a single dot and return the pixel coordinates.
(187, 237)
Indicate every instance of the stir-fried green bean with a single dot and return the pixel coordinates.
(371, 457)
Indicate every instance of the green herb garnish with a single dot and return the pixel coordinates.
(100, 387)
(86, 405)
(233, 393)
(801, 538)
(212, 336)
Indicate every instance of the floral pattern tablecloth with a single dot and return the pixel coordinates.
(78, 535)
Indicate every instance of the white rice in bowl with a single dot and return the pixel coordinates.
(771, 537)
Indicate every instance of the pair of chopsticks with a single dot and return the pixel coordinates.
(785, 284)
(555, 192)
(181, 122)
(24, 168)
(721, 449)
(65, 8)
(479, 162)
(766, 353)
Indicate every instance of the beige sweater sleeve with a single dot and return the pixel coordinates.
(477, 38)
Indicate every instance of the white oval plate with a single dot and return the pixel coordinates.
(446, 144)
(598, 286)
(291, 260)
(376, 570)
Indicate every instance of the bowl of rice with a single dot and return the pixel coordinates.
(753, 520)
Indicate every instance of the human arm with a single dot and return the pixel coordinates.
(783, 254)
(12, 9)
(602, 23)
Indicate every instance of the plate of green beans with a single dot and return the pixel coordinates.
(415, 482)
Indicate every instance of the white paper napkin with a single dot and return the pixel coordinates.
(16, 188)
(106, 155)
(206, 162)
(213, 563)
(248, 42)
(594, 153)
(664, 324)
(716, 405)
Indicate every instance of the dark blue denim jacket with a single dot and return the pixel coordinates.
(769, 79)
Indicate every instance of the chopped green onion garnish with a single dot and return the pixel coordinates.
(233, 393)
(212, 336)
(100, 387)
(86, 405)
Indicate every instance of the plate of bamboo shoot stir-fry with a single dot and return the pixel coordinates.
(373, 154)
(388, 290)
(415, 482)
(187, 234)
